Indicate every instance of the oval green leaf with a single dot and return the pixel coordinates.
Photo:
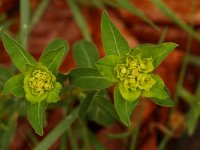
(85, 54)
(156, 51)
(88, 78)
(123, 107)
(113, 42)
(54, 54)
(106, 67)
(15, 86)
(19, 56)
(35, 114)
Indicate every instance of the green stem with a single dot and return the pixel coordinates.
(136, 130)
(24, 22)
(63, 145)
(72, 139)
(85, 136)
(38, 13)
(195, 60)
(58, 131)
(165, 140)
(163, 35)
(79, 18)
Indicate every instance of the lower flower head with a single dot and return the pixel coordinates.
(40, 84)
(40, 81)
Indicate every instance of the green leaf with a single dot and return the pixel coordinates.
(128, 94)
(107, 107)
(123, 107)
(101, 110)
(53, 95)
(15, 86)
(126, 4)
(79, 18)
(95, 142)
(54, 54)
(107, 65)
(192, 118)
(157, 91)
(163, 102)
(88, 78)
(9, 132)
(59, 130)
(85, 54)
(173, 17)
(113, 42)
(35, 114)
(5, 73)
(85, 104)
(55, 44)
(18, 54)
(157, 51)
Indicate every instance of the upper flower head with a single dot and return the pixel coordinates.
(134, 73)
(122, 71)
(146, 65)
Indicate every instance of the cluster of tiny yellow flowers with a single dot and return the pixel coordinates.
(40, 81)
(134, 73)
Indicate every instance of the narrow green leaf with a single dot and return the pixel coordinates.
(171, 15)
(54, 54)
(85, 54)
(113, 42)
(85, 105)
(38, 13)
(122, 135)
(158, 90)
(88, 78)
(123, 107)
(57, 131)
(19, 55)
(163, 102)
(157, 51)
(35, 114)
(107, 65)
(126, 4)
(15, 86)
(79, 18)
(192, 118)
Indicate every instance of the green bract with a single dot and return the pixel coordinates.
(131, 70)
(37, 80)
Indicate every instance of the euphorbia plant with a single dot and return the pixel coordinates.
(129, 69)
(37, 80)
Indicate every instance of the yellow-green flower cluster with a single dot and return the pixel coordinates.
(134, 73)
(40, 81)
